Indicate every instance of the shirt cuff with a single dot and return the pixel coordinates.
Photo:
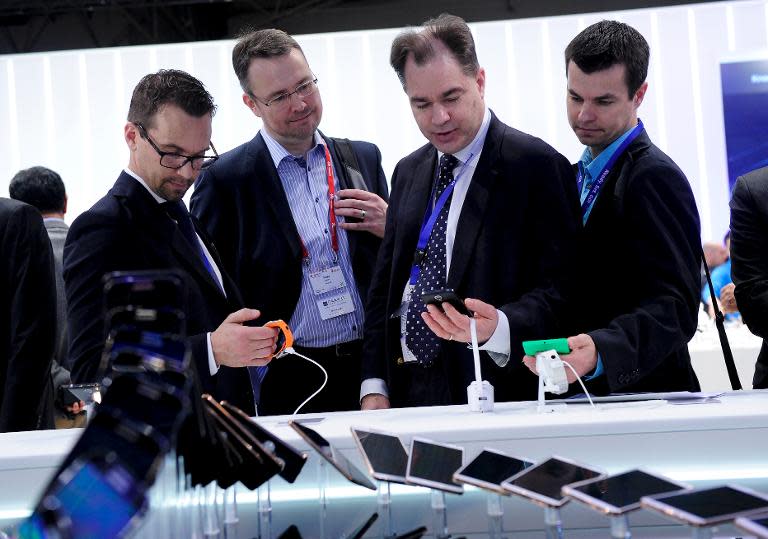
(598, 370)
(212, 366)
(498, 346)
(371, 386)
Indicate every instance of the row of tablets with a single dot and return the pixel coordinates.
(550, 483)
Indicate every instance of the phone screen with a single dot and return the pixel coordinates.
(433, 465)
(339, 461)
(385, 454)
(99, 502)
(709, 506)
(544, 481)
(492, 468)
(622, 493)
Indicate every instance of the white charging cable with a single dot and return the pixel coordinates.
(580, 382)
(290, 350)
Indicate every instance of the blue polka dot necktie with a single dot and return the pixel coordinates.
(419, 339)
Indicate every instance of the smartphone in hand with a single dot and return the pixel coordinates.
(438, 297)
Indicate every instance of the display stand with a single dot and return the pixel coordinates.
(620, 527)
(264, 494)
(495, 511)
(439, 515)
(384, 501)
(231, 519)
(553, 526)
(211, 518)
(701, 533)
(322, 487)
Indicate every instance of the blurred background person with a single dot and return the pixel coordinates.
(721, 278)
(44, 189)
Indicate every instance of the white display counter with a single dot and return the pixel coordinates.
(707, 356)
(722, 441)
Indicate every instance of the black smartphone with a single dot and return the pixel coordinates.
(166, 345)
(756, 525)
(708, 506)
(488, 469)
(293, 459)
(333, 456)
(260, 463)
(98, 495)
(159, 320)
(87, 393)
(438, 297)
(543, 482)
(155, 289)
(619, 494)
(432, 464)
(384, 454)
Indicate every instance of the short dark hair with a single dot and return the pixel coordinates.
(39, 187)
(266, 43)
(169, 87)
(607, 43)
(449, 29)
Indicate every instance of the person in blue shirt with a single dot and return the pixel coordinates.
(721, 278)
(634, 301)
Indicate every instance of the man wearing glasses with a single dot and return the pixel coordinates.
(142, 224)
(298, 219)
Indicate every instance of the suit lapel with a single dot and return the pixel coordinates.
(475, 203)
(415, 204)
(270, 187)
(151, 216)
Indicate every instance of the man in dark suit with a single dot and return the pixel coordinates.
(749, 260)
(44, 189)
(142, 224)
(294, 255)
(500, 213)
(636, 296)
(27, 317)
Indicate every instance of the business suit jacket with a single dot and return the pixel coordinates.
(243, 206)
(518, 221)
(27, 316)
(637, 294)
(749, 260)
(128, 230)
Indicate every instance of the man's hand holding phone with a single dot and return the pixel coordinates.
(363, 210)
(447, 322)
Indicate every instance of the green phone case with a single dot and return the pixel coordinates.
(560, 346)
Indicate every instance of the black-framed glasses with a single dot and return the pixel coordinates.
(304, 89)
(176, 160)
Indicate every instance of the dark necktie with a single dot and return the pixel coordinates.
(419, 339)
(178, 212)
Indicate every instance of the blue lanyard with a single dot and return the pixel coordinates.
(430, 217)
(605, 171)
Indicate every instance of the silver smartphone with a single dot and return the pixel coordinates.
(543, 482)
(620, 494)
(755, 525)
(708, 506)
(489, 469)
(432, 464)
(332, 455)
(384, 454)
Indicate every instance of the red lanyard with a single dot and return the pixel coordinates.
(331, 207)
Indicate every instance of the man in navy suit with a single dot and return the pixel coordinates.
(484, 210)
(635, 304)
(142, 224)
(298, 218)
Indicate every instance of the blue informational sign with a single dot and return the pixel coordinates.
(745, 114)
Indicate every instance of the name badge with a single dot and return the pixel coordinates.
(335, 306)
(326, 280)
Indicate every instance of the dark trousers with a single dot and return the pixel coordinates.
(291, 379)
